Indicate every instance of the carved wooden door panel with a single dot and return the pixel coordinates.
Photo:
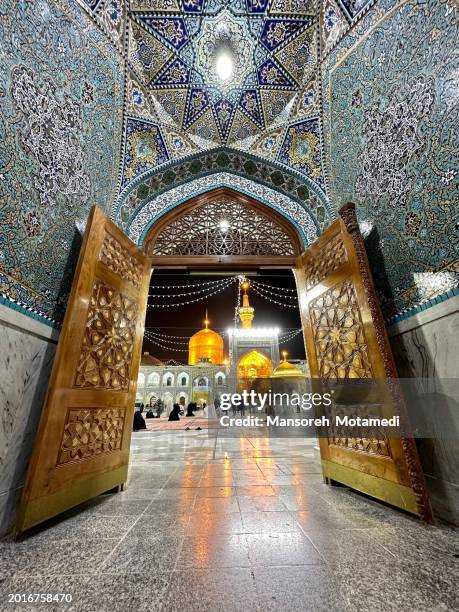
(82, 445)
(346, 339)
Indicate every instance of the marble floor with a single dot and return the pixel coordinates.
(214, 524)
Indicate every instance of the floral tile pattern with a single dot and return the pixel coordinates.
(390, 123)
(294, 186)
(154, 207)
(302, 150)
(144, 148)
(173, 47)
(61, 107)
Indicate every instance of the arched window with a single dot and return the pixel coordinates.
(168, 380)
(220, 379)
(153, 379)
(141, 379)
(183, 379)
(182, 399)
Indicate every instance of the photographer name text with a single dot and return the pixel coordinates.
(338, 421)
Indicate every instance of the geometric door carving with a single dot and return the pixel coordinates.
(345, 338)
(90, 432)
(119, 260)
(106, 352)
(339, 338)
(83, 440)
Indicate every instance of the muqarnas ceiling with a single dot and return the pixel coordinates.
(174, 91)
(175, 56)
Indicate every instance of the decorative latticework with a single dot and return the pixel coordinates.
(120, 261)
(223, 227)
(106, 353)
(370, 439)
(339, 337)
(90, 432)
(367, 444)
(332, 255)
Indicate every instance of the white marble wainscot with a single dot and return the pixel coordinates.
(425, 346)
(27, 349)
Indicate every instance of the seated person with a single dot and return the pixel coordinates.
(149, 414)
(175, 412)
(139, 421)
(189, 410)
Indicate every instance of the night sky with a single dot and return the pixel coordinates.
(186, 320)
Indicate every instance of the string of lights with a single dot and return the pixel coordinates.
(212, 282)
(168, 348)
(264, 292)
(153, 333)
(292, 332)
(166, 338)
(274, 301)
(257, 283)
(288, 337)
(199, 299)
(188, 293)
(277, 295)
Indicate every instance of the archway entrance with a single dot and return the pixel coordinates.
(82, 447)
(221, 232)
(254, 365)
(223, 229)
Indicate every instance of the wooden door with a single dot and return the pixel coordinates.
(82, 445)
(345, 338)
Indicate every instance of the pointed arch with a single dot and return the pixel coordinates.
(140, 222)
(254, 176)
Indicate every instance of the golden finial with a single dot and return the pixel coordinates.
(206, 320)
(284, 355)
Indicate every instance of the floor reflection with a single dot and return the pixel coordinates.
(210, 523)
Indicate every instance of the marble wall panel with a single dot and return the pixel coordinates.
(26, 359)
(426, 347)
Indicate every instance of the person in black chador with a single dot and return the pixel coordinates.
(139, 421)
(189, 410)
(175, 412)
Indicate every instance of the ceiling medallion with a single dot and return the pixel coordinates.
(222, 39)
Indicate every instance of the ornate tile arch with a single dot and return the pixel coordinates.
(155, 207)
(270, 174)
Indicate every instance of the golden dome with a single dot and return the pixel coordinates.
(254, 365)
(205, 344)
(287, 370)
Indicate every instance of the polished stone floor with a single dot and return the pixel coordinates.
(232, 524)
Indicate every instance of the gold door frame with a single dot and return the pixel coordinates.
(83, 441)
(335, 268)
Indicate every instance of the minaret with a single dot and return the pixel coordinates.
(246, 312)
